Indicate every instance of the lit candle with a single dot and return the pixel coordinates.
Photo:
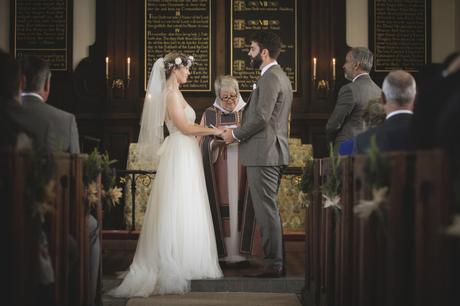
(128, 63)
(314, 68)
(107, 67)
(333, 68)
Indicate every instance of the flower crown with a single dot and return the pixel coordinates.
(180, 62)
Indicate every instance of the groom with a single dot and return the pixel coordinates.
(263, 138)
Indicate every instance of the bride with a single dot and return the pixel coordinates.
(177, 242)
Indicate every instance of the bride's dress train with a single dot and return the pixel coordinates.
(177, 242)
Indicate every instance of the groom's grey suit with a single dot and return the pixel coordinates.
(264, 151)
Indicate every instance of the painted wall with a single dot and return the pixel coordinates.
(445, 26)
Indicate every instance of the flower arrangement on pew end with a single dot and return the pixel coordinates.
(376, 174)
(306, 184)
(331, 188)
(100, 164)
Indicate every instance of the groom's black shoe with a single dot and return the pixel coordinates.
(268, 272)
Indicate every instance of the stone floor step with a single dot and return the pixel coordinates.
(244, 284)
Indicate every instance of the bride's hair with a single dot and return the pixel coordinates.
(176, 60)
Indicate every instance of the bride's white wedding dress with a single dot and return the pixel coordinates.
(177, 242)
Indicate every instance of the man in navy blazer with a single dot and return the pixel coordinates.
(394, 134)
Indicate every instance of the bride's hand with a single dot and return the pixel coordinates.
(219, 131)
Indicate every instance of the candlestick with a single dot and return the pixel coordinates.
(128, 63)
(333, 68)
(314, 68)
(107, 67)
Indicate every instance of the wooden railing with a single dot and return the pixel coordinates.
(400, 254)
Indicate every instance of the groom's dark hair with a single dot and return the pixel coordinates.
(268, 40)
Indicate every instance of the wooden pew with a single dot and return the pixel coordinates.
(58, 227)
(20, 233)
(344, 238)
(79, 230)
(312, 228)
(383, 247)
(397, 256)
(436, 255)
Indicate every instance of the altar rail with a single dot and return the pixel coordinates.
(400, 255)
(69, 217)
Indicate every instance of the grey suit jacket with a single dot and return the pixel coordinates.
(64, 125)
(264, 129)
(39, 129)
(346, 120)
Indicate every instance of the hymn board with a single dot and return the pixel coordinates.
(40, 28)
(247, 17)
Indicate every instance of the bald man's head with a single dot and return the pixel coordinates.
(399, 88)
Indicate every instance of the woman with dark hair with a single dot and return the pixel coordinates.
(177, 242)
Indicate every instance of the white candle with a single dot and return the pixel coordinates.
(107, 66)
(128, 63)
(333, 68)
(314, 68)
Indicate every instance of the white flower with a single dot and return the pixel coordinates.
(191, 58)
(454, 228)
(331, 202)
(254, 86)
(178, 61)
(114, 194)
(366, 207)
(92, 193)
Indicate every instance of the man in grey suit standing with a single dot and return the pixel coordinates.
(346, 119)
(264, 145)
(34, 97)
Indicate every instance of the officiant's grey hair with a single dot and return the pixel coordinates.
(226, 82)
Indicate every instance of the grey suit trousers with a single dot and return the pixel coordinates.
(263, 185)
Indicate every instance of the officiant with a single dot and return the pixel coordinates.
(232, 212)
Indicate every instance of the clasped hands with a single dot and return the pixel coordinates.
(225, 134)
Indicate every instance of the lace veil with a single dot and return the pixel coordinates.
(151, 134)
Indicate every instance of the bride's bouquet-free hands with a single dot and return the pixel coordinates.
(218, 131)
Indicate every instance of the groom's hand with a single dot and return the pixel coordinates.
(228, 136)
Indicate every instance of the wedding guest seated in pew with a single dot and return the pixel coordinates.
(394, 134)
(373, 115)
(15, 123)
(24, 138)
(63, 127)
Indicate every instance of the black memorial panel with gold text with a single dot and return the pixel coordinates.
(41, 27)
(247, 17)
(400, 34)
(183, 26)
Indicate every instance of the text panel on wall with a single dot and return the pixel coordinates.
(40, 28)
(247, 17)
(182, 26)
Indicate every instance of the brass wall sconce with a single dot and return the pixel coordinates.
(323, 86)
(118, 83)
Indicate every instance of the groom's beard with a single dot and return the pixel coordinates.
(256, 61)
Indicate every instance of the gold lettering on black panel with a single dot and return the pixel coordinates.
(183, 26)
(400, 35)
(40, 28)
(249, 16)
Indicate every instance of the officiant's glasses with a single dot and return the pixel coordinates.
(228, 98)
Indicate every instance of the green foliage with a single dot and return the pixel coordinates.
(96, 164)
(333, 185)
(306, 182)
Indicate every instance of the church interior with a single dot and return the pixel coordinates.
(376, 227)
